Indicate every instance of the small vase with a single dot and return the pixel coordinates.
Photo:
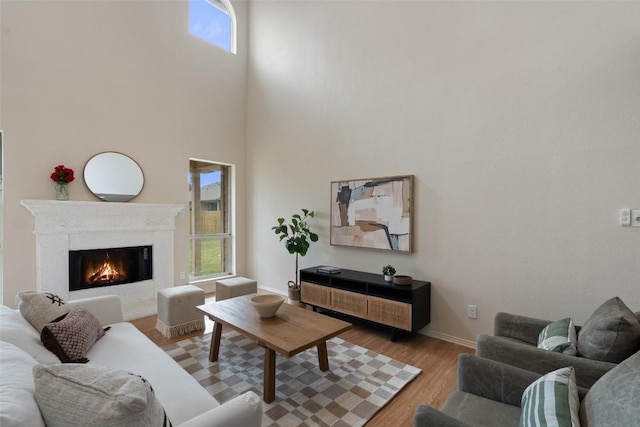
(388, 277)
(62, 191)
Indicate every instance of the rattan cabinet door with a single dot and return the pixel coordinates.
(391, 313)
(315, 294)
(349, 302)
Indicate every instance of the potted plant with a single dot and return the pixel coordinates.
(388, 272)
(297, 240)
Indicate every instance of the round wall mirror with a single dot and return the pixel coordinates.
(113, 177)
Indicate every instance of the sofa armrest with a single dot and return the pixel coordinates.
(244, 410)
(426, 416)
(518, 327)
(535, 359)
(493, 380)
(107, 309)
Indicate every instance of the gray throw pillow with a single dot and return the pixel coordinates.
(613, 400)
(611, 334)
(88, 395)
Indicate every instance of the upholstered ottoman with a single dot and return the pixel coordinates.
(234, 287)
(177, 313)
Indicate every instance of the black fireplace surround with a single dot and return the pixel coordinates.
(95, 268)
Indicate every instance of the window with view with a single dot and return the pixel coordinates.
(210, 220)
(213, 21)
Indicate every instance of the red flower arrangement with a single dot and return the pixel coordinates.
(62, 174)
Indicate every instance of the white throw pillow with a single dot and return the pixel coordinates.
(18, 407)
(552, 401)
(86, 395)
(559, 336)
(40, 308)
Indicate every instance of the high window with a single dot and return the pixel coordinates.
(213, 21)
(210, 220)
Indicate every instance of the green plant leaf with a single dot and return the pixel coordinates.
(296, 234)
(388, 270)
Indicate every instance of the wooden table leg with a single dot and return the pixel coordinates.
(323, 357)
(215, 342)
(269, 392)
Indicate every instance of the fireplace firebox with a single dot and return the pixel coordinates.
(94, 268)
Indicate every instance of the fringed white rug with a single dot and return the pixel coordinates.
(359, 381)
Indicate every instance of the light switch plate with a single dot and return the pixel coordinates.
(472, 311)
(625, 217)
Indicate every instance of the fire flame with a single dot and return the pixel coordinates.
(107, 273)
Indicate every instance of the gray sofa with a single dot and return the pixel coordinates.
(489, 393)
(514, 343)
(614, 332)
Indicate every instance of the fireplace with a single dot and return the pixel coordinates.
(61, 227)
(95, 268)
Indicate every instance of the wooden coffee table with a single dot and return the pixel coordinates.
(292, 330)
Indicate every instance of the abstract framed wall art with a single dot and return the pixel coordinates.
(373, 213)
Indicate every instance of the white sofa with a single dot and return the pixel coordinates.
(124, 347)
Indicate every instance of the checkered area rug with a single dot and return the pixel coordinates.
(359, 381)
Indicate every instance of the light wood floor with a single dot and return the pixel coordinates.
(436, 358)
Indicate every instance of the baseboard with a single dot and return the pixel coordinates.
(451, 339)
(273, 290)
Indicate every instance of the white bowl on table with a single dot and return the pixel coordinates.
(267, 305)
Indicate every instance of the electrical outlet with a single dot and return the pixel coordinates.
(635, 218)
(625, 217)
(182, 275)
(472, 311)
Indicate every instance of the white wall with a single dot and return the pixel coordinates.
(79, 78)
(519, 121)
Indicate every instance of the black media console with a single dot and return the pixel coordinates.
(367, 296)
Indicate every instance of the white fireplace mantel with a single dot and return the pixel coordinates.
(54, 216)
(61, 226)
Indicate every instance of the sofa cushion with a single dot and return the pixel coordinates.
(17, 331)
(71, 338)
(124, 347)
(613, 399)
(611, 334)
(559, 336)
(18, 407)
(551, 400)
(40, 308)
(73, 394)
(476, 410)
(142, 356)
